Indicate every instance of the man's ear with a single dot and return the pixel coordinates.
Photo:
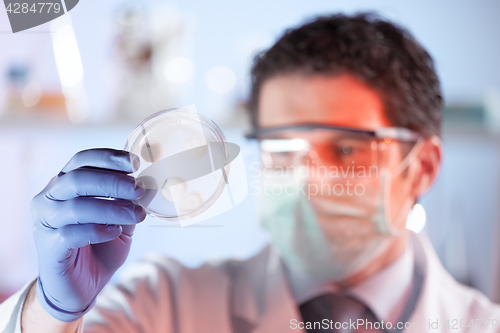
(428, 163)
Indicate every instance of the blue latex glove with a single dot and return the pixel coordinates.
(82, 240)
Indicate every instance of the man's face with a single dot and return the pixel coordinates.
(340, 101)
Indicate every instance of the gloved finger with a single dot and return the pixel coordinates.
(76, 236)
(151, 186)
(104, 158)
(94, 182)
(84, 210)
(127, 233)
(128, 230)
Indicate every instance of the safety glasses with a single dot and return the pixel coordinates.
(328, 146)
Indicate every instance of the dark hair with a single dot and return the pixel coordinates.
(384, 56)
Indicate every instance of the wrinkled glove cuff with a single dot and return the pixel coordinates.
(55, 311)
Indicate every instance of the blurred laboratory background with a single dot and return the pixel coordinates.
(89, 77)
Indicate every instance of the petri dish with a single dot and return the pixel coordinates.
(184, 163)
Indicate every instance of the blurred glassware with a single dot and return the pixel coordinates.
(25, 98)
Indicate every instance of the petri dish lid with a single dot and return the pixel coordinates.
(184, 163)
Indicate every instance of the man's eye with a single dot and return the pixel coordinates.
(346, 150)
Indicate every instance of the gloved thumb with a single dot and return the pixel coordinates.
(79, 235)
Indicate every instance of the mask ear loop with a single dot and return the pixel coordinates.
(387, 177)
(409, 158)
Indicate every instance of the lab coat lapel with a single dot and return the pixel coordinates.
(262, 299)
(426, 308)
(442, 298)
(280, 307)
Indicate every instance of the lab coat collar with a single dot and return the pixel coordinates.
(263, 297)
(395, 279)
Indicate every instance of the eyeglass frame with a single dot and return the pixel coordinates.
(394, 133)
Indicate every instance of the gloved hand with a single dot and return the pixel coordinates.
(82, 240)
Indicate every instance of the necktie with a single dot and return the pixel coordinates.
(341, 314)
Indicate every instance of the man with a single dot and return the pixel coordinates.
(335, 95)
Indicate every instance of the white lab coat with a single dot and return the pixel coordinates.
(161, 295)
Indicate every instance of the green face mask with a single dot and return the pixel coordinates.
(328, 238)
(302, 241)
